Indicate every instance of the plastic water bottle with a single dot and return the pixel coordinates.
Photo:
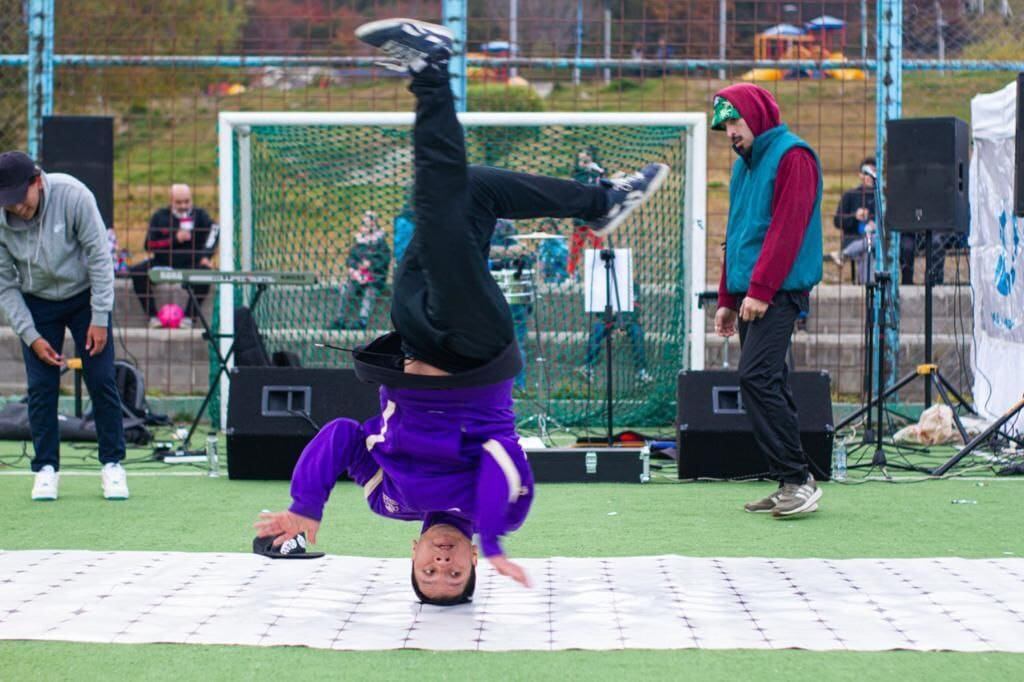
(839, 462)
(212, 461)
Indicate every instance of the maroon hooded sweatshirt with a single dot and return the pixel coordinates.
(796, 186)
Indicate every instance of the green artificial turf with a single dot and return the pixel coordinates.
(196, 513)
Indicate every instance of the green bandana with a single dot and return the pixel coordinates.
(724, 110)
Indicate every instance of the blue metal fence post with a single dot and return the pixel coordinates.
(40, 70)
(453, 14)
(888, 105)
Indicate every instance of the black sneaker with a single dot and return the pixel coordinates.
(627, 193)
(412, 45)
(292, 549)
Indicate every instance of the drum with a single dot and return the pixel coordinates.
(515, 284)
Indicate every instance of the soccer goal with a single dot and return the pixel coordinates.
(295, 188)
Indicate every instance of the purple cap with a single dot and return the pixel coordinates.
(16, 172)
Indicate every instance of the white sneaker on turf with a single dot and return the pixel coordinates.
(45, 486)
(115, 481)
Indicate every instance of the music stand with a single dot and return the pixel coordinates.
(598, 300)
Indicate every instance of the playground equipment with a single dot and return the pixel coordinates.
(492, 74)
(821, 39)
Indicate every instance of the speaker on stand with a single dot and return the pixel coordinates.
(83, 147)
(926, 191)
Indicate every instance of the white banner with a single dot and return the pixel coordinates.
(997, 255)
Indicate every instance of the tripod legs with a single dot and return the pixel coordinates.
(969, 447)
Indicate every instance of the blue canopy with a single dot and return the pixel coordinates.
(826, 23)
(784, 30)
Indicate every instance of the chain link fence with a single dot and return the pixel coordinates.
(651, 55)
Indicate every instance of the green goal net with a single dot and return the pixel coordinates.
(329, 194)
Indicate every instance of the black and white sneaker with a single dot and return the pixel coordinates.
(411, 45)
(628, 193)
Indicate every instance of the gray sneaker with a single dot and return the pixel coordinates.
(798, 499)
(765, 505)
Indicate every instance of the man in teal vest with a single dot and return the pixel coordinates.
(772, 260)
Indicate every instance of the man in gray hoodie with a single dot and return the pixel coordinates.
(56, 274)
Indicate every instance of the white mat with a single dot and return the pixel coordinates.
(660, 602)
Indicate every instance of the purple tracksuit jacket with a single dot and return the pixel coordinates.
(436, 456)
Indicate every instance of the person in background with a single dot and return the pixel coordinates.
(367, 271)
(507, 255)
(629, 324)
(553, 254)
(180, 236)
(587, 171)
(56, 274)
(855, 216)
(405, 225)
(773, 258)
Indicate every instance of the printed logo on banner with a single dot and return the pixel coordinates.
(1009, 249)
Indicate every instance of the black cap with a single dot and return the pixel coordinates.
(16, 172)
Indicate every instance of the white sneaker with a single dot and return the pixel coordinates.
(45, 486)
(155, 323)
(115, 481)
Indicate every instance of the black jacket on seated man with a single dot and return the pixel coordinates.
(169, 251)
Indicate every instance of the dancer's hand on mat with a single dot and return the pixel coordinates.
(509, 569)
(725, 322)
(285, 525)
(752, 309)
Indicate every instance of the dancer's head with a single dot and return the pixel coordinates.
(443, 566)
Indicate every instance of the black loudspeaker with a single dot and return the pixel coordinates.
(274, 411)
(83, 146)
(926, 163)
(1018, 174)
(715, 438)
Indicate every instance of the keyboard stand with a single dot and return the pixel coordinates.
(212, 338)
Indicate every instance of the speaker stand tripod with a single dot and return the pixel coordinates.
(610, 281)
(928, 371)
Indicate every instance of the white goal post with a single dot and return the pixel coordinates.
(236, 214)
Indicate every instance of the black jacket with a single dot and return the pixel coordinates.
(845, 218)
(168, 252)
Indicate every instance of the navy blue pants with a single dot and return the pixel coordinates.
(51, 318)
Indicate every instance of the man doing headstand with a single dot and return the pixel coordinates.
(444, 450)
